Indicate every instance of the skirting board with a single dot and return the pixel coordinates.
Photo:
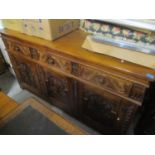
(120, 53)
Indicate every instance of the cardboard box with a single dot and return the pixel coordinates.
(13, 24)
(49, 29)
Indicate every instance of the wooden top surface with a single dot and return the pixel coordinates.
(71, 45)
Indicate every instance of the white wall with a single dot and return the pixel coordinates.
(1, 25)
(4, 52)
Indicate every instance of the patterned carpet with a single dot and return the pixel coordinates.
(35, 118)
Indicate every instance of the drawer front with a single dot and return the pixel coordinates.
(107, 113)
(27, 50)
(16, 46)
(12, 45)
(38, 53)
(103, 80)
(109, 82)
(57, 62)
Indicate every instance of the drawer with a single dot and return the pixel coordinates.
(58, 62)
(109, 82)
(16, 46)
(26, 49)
(102, 79)
(38, 53)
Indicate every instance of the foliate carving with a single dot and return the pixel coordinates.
(104, 80)
(128, 111)
(34, 53)
(25, 72)
(107, 111)
(50, 60)
(25, 50)
(17, 48)
(137, 92)
(27, 75)
(57, 87)
(58, 62)
(99, 108)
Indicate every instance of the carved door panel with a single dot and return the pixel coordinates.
(26, 73)
(105, 112)
(59, 90)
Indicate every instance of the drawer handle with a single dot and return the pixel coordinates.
(85, 98)
(50, 60)
(118, 118)
(102, 80)
(66, 90)
(16, 48)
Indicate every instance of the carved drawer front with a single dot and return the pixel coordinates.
(17, 46)
(107, 113)
(22, 48)
(29, 51)
(59, 87)
(13, 45)
(58, 62)
(102, 79)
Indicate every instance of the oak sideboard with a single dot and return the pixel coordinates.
(103, 92)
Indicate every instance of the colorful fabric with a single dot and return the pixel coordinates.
(117, 32)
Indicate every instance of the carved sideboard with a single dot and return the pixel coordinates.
(101, 91)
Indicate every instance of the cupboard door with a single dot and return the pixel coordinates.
(26, 73)
(104, 112)
(59, 90)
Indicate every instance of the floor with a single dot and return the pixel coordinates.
(7, 105)
(10, 86)
(33, 118)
